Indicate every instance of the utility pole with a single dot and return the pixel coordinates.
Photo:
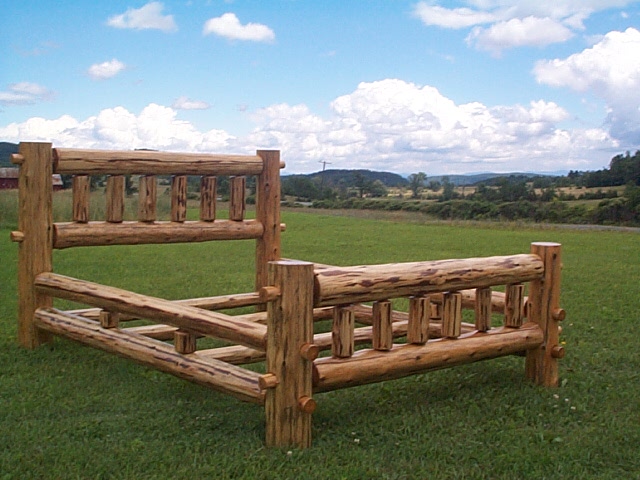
(324, 165)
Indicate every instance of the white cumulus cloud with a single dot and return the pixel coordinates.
(24, 93)
(229, 26)
(529, 31)
(104, 70)
(185, 103)
(610, 70)
(388, 125)
(514, 23)
(450, 18)
(147, 17)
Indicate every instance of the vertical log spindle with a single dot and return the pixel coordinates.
(147, 194)
(514, 305)
(451, 314)
(419, 313)
(237, 189)
(342, 331)
(382, 327)
(178, 198)
(483, 309)
(115, 198)
(80, 187)
(208, 196)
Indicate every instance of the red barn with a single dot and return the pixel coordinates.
(9, 179)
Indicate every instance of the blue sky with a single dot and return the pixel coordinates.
(436, 86)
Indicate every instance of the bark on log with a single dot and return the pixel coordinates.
(200, 321)
(370, 366)
(94, 234)
(105, 162)
(220, 376)
(342, 285)
(178, 198)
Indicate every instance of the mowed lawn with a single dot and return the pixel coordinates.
(68, 411)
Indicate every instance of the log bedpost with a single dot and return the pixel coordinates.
(288, 406)
(544, 298)
(35, 250)
(268, 214)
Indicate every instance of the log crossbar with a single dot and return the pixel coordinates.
(289, 295)
(143, 162)
(203, 322)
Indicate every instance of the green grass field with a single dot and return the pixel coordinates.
(73, 412)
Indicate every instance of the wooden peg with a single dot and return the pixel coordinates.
(17, 236)
(307, 404)
(184, 341)
(17, 159)
(268, 294)
(558, 351)
(309, 351)
(268, 380)
(559, 314)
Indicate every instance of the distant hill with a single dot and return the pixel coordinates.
(333, 177)
(6, 149)
(487, 178)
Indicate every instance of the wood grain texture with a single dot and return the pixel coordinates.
(200, 321)
(35, 209)
(370, 366)
(220, 376)
(138, 162)
(340, 285)
(94, 234)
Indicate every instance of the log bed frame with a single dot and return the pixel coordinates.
(289, 295)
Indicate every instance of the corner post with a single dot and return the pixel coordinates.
(268, 214)
(544, 298)
(36, 224)
(289, 405)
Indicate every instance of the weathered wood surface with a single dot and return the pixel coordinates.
(452, 315)
(93, 234)
(35, 207)
(288, 406)
(483, 308)
(514, 305)
(418, 325)
(190, 318)
(138, 162)
(220, 376)
(342, 285)
(370, 366)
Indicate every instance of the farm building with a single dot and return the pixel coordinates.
(9, 179)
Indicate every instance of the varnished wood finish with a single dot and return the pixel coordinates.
(200, 321)
(115, 198)
(35, 206)
(341, 285)
(290, 325)
(238, 382)
(369, 366)
(544, 298)
(94, 234)
(80, 186)
(105, 162)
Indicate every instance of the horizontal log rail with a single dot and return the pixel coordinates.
(370, 366)
(343, 285)
(238, 382)
(93, 234)
(106, 162)
(196, 320)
